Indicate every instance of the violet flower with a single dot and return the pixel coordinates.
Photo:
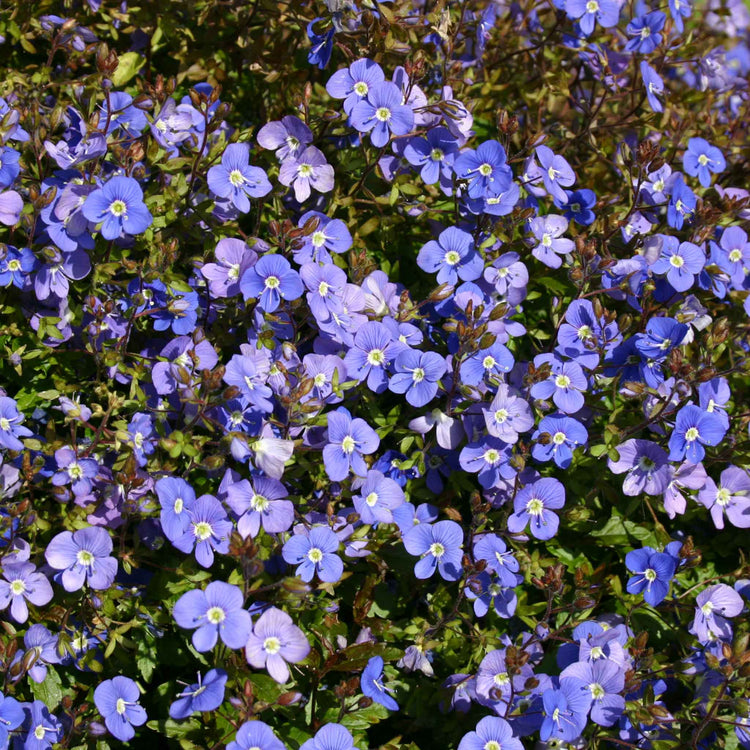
(274, 642)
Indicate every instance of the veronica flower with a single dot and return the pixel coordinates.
(600, 681)
(271, 279)
(176, 497)
(117, 701)
(533, 506)
(22, 582)
(381, 113)
(701, 159)
(548, 230)
(9, 166)
(565, 434)
(660, 337)
(330, 737)
(693, 429)
(43, 728)
(329, 236)
(379, 497)
(234, 179)
(11, 206)
(325, 285)
(680, 261)
(58, 270)
(731, 497)
(682, 203)
(141, 437)
(565, 384)
(439, 546)
(118, 206)
(417, 375)
(308, 170)
(493, 550)
(556, 172)
(274, 641)
(288, 137)
(15, 266)
(453, 257)
(565, 711)
(255, 735)
(83, 556)
(495, 683)
(11, 717)
(43, 644)
(370, 356)
(653, 573)
(434, 154)
(208, 531)
(205, 695)
(491, 362)
(488, 457)
(10, 425)
(353, 84)
(215, 612)
(680, 9)
(713, 605)
(233, 257)
(314, 553)
(262, 502)
(646, 465)
(249, 372)
(645, 32)
(491, 733)
(487, 591)
(371, 683)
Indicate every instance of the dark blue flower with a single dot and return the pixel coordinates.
(372, 686)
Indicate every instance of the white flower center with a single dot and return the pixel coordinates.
(677, 261)
(272, 282)
(491, 456)
(650, 574)
(592, 6)
(691, 434)
(534, 507)
(236, 178)
(361, 88)
(17, 587)
(259, 503)
(417, 375)
(216, 615)
(179, 505)
(597, 691)
(383, 114)
(272, 645)
(501, 415)
(120, 706)
(315, 555)
(85, 558)
(118, 208)
(376, 357)
(723, 496)
(452, 257)
(437, 154)
(485, 169)
(202, 531)
(562, 381)
(305, 170)
(558, 438)
(437, 549)
(371, 499)
(348, 444)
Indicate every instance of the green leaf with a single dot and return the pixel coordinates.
(128, 65)
(50, 691)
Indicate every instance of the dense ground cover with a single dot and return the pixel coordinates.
(374, 375)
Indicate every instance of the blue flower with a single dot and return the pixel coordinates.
(255, 735)
(330, 737)
(382, 113)
(564, 435)
(271, 279)
(701, 159)
(452, 256)
(485, 170)
(353, 84)
(10, 425)
(11, 717)
(348, 440)
(654, 86)
(607, 12)
(118, 206)
(370, 356)
(491, 733)
(208, 531)
(215, 612)
(556, 172)
(9, 167)
(681, 203)
(314, 552)
(653, 573)
(579, 206)
(439, 546)
(693, 429)
(117, 701)
(322, 45)
(565, 712)
(645, 32)
(205, 695)
(417, 375)
(43, 728)
(15, 266)
(234, 179)
(372, 686)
